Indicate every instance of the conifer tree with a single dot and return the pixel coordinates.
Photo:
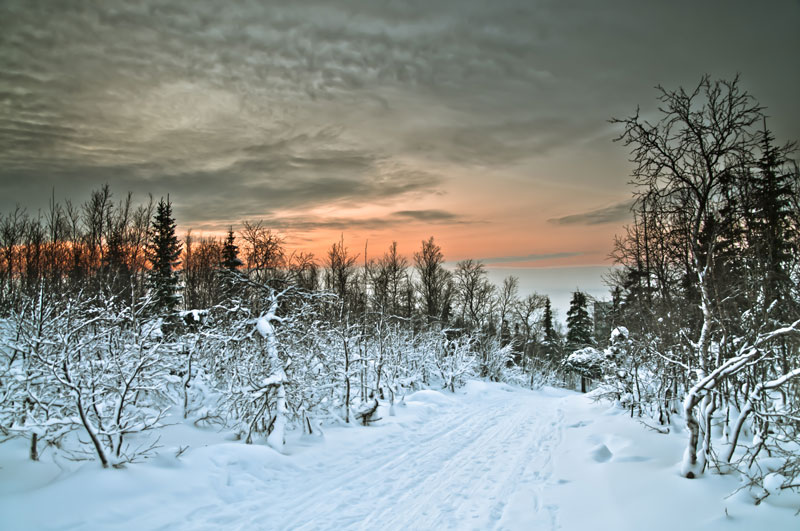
(549, 331)
(163, 253)
(579, 324)
(550, 335)
(229, 267)
(772, 231)
(230, 252)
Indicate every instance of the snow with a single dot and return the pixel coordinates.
(586, 357)
(619, 333)
(489, 456)
(264, 326)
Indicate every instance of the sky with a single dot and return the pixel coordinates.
(483, 124)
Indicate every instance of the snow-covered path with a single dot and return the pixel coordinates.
(459, 473)
(489, 457)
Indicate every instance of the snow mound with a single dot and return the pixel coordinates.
(478, 388)
(428, 396)
(779, 496)
(253, 458)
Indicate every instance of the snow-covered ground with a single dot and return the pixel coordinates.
(487, 457)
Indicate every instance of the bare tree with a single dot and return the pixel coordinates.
(434, 280)
(388, 277)
(684, 165)
(264, 252)
(11, 232)
(340, 270)
(474, 294)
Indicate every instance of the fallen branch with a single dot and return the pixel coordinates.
(367, 411)
(662, 431)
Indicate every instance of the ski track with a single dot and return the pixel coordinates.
(457, 470)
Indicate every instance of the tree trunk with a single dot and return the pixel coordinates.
(346, 381)
(90, 430)
(690, 463)
(34, 448)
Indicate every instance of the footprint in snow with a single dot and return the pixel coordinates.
(633, 459)
(601, 453)
(580, 424)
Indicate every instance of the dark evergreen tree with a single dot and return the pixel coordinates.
(579, 324)
(547, 318)
(551, 340)
(163, 253)
(230, 252)
(229, 267)
(772, 232)
(616, 303)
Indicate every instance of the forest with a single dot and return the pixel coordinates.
(109, 320)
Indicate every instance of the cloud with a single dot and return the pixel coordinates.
(306, 223)
(611, 214)
(528, 258)
(188, 83)
(430, 216)
(500, 143)
(258, 107)
(227, 196)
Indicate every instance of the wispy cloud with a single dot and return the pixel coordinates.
(307, 223)
(528, 258)
(430, 216)
(610, 214)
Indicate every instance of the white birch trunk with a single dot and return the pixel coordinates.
(276, 438)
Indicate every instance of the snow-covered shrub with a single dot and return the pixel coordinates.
(495, 357)
(89, 364)
(454, 359)
(625, 375)
(588, 362)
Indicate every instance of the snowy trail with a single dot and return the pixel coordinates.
(488, 457)
(457, 470)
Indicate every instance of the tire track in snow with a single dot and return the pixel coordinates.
(336, 475)
(458, 470)
(393, 472)
(442, 495)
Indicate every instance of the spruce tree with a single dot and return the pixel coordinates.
(772, 231)
(550, 344)
(579, 324)
(230, 252)
(163, 252)
(549, 331)
(229, 264)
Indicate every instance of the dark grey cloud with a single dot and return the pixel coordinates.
(226, 196)
(430, 216)
(306, 223)
(528, 258)
(610, 214)
(241, 108)
(497, 144)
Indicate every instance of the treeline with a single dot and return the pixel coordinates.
(708, 288)
(132, 250)
(109, 320)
